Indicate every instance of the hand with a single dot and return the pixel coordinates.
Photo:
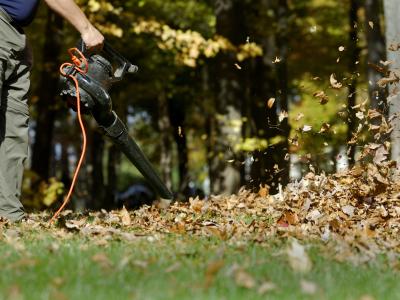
(93, 39)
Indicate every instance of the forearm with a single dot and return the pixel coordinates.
(70, 12)
(68, 9)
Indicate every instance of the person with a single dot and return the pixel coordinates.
(15, 65)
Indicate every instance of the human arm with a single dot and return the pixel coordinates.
(68, 9)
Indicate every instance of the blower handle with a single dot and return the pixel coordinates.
(124, 66)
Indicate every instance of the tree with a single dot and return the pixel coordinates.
(354, 53)
(45, 107)
(392, 16)
(376, 53)
(225, 167)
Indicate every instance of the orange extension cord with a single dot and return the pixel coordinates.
(77, 63)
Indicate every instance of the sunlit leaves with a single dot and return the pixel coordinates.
(190, 45)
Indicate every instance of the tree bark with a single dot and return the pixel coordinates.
(176, 112)
(352, 90)
(225, 168)
(376, 53)
(42, 146)
(164, 127)
(98, 199)
(392, 16)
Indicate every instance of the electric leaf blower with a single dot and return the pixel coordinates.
(103, 70)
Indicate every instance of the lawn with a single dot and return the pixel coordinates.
(42, 263)
(319, 239)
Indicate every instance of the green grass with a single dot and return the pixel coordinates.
(174, 267)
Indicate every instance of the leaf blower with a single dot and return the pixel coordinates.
(103, 70)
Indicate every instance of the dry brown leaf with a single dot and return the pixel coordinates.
(282, 115)
(298, 257)
(125, 217)
(102, 260)
(212, 270)
(264, 190)
(244, 279)
(266, 287)
(334, 83)
(288, 218)
(325, 128)
(323, 98)
(271, 102)
(173, 268)
(308, 287)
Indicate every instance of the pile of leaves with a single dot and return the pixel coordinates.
(356, 213)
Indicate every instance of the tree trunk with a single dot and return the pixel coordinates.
(352, 96)
(392, 16)
(225, 167)
(376, 53)
(164, 127)
(114, 158)
(98, 199)
(270, 166)
(48, 90)
(176, 111)
(281, 175)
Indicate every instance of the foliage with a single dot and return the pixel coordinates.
(39, 194)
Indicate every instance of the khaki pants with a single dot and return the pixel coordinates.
(15, 64)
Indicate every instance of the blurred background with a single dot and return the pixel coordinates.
(230, 94)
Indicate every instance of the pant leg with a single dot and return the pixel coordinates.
(14, 147)
(14, 117)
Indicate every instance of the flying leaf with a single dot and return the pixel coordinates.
(323, 98)
(334, 83)
(277, 60)
(282, 115)
(371, 24)
(271, 102)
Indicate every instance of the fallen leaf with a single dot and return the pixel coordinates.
(14, 293)
(348, 210)
(174, 267)
(264, 190)
(298, 257)
(308, 287)
(212, 270)
(125, 217)
(102, 259)
(381, 154)
(244, 279)
(266, 287)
